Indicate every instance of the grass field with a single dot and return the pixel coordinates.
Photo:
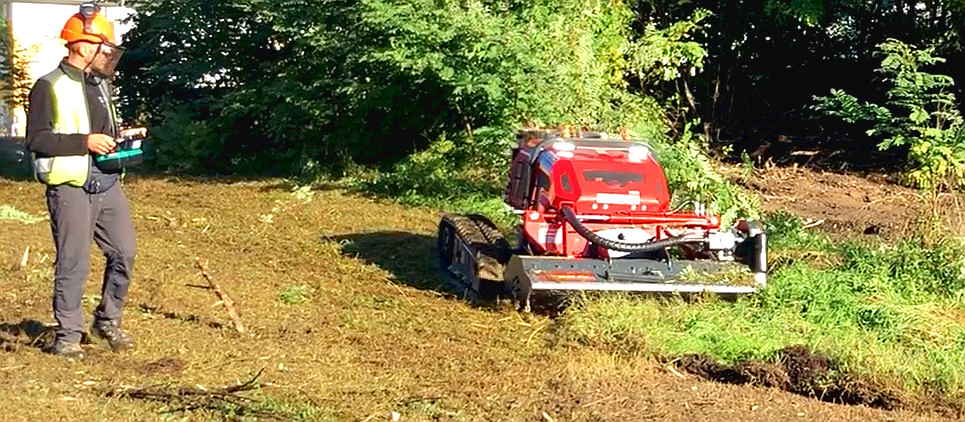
(349, 320)
(889, 314)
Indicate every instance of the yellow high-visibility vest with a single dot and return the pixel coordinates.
(70, 118)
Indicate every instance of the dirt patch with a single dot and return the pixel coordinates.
(166, 365)
(798, 370)
(804, 368)
(840, 203)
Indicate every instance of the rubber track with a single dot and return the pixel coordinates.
(480, 234)
(490, 255)
(498, 244)
(467, 230)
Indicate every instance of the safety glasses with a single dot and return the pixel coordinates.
(88, 11)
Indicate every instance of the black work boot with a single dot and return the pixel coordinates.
(67, 349)
(111, 331)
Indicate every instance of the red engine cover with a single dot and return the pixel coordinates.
(608, 183)
(601, 180)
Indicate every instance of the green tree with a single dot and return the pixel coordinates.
(291, 82)
(921, 114)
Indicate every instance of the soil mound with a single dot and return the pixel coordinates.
(799, 370)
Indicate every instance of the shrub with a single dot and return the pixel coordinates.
(921, 114)
(182, 142)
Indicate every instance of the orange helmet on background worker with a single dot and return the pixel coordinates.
(91, 26)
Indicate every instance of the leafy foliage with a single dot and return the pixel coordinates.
(430, 173)
(182, 142)
(309, 86)
(320, 84)
(692, 179)
(767, 59)
(370, 81)
(664, 55)
(923, 115)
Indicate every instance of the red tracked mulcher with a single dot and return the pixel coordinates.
(595, 215)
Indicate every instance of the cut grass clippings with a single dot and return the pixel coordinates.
(377, 335)
(890, 314)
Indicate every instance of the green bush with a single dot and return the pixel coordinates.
(433, 178)
(692, 178)
(921, 114)
(432, 173)
(184, 143)
(298, 86)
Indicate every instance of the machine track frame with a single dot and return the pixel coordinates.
(473, 252)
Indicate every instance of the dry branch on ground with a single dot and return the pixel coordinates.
(223, 399)
(225, 300)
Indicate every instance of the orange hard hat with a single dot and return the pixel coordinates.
(89, 25)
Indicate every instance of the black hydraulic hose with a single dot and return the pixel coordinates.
(598, 240)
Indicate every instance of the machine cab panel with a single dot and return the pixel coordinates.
(597, 176)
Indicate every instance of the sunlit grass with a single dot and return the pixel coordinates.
(891, 312)
(8, 212)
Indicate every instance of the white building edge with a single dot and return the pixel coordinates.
(35, 26)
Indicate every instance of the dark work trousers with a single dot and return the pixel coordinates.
(76, 217)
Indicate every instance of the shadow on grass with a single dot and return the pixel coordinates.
(187, 318)
(26, 333)
(411, 258)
